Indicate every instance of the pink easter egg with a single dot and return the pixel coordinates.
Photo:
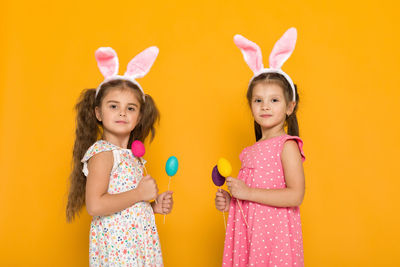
(138, 149)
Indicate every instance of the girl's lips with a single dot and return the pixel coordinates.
(265, 116)
(123, 122)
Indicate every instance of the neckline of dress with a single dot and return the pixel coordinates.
(275, 137)
(120, 148)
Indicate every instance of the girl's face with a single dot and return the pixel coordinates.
(269, 107)
(119, 112)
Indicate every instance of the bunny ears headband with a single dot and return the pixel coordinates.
(280, 53)
(138, 67)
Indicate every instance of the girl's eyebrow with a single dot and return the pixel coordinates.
(115, 101)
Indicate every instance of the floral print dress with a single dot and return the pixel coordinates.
(128, 237)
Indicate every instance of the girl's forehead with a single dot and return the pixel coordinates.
(267, 89)
(121, 95)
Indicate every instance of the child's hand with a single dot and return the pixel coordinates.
(222, 200)
(164, 203)
(237, 188)
(147, 188)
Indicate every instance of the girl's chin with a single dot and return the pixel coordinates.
(119, 133)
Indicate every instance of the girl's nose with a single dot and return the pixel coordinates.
(265, 107)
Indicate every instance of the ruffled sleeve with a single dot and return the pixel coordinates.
(98, 147)
(299, 143)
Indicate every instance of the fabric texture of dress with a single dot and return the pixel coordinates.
(128, 237)
(274, 236)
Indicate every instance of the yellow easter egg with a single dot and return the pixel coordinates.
(224, 167)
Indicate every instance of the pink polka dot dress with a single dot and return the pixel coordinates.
(274, 236)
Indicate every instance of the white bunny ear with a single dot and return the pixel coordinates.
(107, 61)
(251, 52)
(140, 65)
(283, 49)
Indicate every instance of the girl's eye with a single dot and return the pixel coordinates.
(131, 109)
(257, 100)
(275, 100)
(113, 106)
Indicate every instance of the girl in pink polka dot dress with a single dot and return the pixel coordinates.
(264, 227)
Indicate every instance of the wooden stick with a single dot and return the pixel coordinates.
(223, 212)
(144, 167)
(168, 190)
(240, 206)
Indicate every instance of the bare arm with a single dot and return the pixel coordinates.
(98, 201)
(291, 196)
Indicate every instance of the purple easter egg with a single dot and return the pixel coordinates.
(217, 178)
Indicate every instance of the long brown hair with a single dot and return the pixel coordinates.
(276, 78)
(89, 130)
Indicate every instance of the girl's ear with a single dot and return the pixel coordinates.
(141, 64)
(107, 61)
(290, 108)
(98, 113)
(251, 52)
(283, 49)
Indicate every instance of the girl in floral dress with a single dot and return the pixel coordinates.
(107, 177)
(264, 227)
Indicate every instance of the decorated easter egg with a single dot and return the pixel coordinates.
(138, 149)
(224, 167)
(217, 178)
(171, 167)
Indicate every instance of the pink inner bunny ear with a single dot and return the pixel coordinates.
(251, 52)
(107, 61)
(140, 65)
(283, 49)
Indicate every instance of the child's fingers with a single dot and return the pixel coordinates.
(220, 198)
(220, 194)
(167, 201)
(166, 209)
(220, 202)
(226, 194)
(168, 196)
(220, 206)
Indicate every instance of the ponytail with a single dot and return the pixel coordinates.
(87, 131)
(257, 131)
(149, 117)
(291, 120)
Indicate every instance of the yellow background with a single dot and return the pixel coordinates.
(346, 65)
